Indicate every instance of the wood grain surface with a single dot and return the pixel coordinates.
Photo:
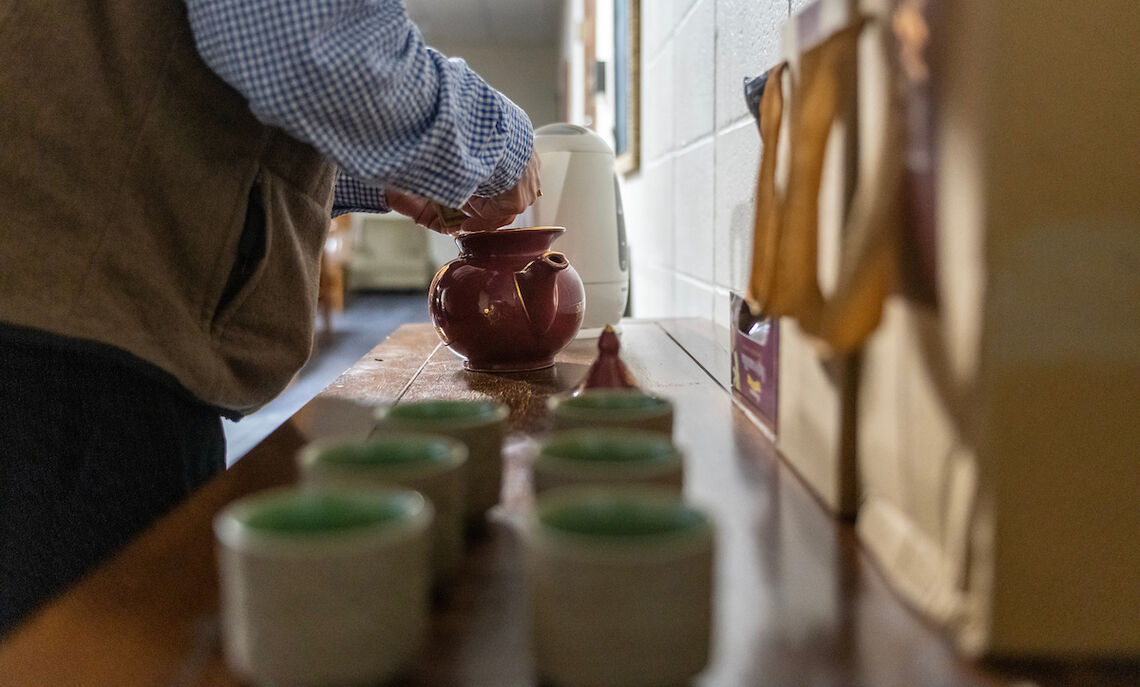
(796, 600)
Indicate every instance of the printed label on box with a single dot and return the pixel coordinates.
(756, 360)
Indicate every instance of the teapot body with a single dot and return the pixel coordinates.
(508, 303)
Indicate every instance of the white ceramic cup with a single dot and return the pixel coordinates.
(323, 586)
(480, 424)
(432, 464)
(620, 586)
(327, 416)
(626, 408)
(607, 456)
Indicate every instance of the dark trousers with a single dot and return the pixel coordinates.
(92, 450)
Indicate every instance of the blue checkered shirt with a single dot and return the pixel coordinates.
(355, 79)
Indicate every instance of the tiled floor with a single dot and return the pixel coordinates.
(368, 318)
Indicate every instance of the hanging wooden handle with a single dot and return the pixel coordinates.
(813, 109)
(869, 261)
(765, 230)
(784, 281)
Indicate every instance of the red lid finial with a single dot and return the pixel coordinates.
(608, 371)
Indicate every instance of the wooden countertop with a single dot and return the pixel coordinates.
(796, 603)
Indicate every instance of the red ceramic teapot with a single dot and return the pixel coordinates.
(508, 303)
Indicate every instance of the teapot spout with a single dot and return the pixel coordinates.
(535, 284)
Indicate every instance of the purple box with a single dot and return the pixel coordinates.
(756, 361)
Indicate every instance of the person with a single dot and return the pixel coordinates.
(169, 169)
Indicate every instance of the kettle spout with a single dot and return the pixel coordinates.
(535, 286)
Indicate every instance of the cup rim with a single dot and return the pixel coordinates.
(565, 404)
(639, 549)
(554, 464)
(309, 457)
(335, 403)
(232, 530)
(383, 414)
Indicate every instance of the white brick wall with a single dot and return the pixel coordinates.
(694, 191)
(747, 43)
(737, 158)
(657, 105)
(797, 5)
(694, 73)
(689, 208)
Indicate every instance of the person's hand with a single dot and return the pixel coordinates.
(485, 214)
(424, 212)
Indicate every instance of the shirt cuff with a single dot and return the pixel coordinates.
(352, 195)
(515, 126)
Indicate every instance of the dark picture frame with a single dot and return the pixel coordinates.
(627, 85)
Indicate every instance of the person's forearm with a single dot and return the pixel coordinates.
(354, 78)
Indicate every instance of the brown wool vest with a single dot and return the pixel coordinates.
(126, 171)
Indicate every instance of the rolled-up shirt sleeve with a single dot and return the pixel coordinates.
(355, 79)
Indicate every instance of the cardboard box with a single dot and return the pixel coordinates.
(999, 422)
(805, 401)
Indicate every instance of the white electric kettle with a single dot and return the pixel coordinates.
(580, 192)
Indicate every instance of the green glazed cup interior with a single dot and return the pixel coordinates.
(310, 512)
(607, 402)
(386, 450)
(444, 412)
(619, 515)
(608, 447)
